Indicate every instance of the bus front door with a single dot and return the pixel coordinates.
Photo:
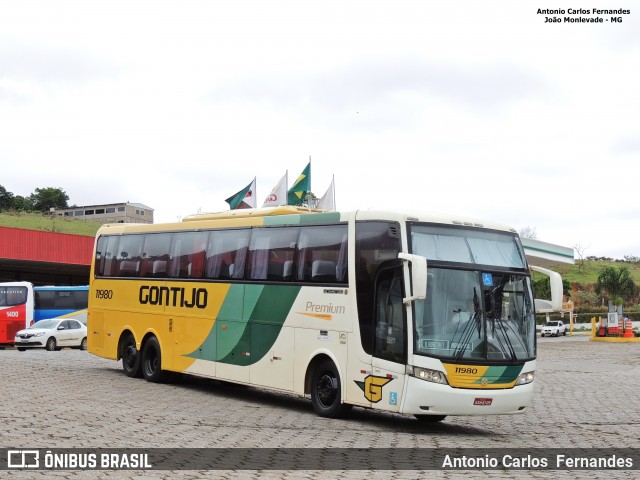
(386, 384)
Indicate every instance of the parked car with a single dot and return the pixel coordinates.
(52, 334)
(555, 328)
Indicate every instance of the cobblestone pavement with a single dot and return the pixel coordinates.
(587, 396)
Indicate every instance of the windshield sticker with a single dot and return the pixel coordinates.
(487, 280)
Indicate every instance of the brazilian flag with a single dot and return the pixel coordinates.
(297, 194)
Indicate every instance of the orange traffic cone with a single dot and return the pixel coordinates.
(628, 329)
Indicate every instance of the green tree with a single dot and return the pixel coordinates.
(43, 199)
(21, 203)
(542, 286)
(617, 283)
(6, 199)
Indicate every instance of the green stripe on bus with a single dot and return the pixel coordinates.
(501, 374)
(510, 374)
(306, 219)
(328, 217)
(242, 336)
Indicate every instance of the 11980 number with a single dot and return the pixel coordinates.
(467, 370)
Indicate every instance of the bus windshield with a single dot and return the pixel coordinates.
(479, 303)
(13, 295)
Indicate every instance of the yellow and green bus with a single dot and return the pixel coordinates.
(403, 312)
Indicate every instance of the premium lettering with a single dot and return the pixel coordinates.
(319, 308)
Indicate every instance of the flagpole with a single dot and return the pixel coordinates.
(310, 190)
(333, 181)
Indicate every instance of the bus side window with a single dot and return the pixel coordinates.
(187, 255)
(280, 270)
(196, 255)
(129, 255)
(271, 253)
(258, 255)
(106, 251)
(196, 265)
(226, 250)
(128, 268)
(159, 268)
(323, 271)
(322, 254)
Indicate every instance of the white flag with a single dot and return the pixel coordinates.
(328, 200)
(278, 195)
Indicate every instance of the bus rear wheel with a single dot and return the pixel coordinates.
(152, 362)
(131, 358)
(326, 391)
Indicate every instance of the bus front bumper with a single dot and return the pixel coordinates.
(427, 398)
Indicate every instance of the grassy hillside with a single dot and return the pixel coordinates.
(47, 223)
(588, 271)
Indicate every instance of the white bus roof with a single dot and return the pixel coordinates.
(252, 216)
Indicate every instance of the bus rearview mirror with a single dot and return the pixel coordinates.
(418, 276)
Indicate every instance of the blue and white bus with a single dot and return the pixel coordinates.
(55, 301)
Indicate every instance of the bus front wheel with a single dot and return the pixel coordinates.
(326, 391)
(131, 361)
(152, 361)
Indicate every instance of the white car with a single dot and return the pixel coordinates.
(52, 334)
(554, 328)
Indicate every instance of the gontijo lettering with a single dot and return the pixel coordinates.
(173, 296)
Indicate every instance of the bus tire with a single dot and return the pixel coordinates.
(152, 362)
(430, 418)
(51, 344)
(131, 357)
(326, 391)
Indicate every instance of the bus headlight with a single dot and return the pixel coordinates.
(525, 378)
(429, 375)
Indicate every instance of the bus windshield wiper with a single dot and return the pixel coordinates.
(474, 321)
(498, 317)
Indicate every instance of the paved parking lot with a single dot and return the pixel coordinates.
(587, 396)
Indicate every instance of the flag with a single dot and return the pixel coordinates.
(328, 200)
(278, 195)
(297, 195)
(245, 198)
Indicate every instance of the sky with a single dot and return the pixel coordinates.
(480, 109)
